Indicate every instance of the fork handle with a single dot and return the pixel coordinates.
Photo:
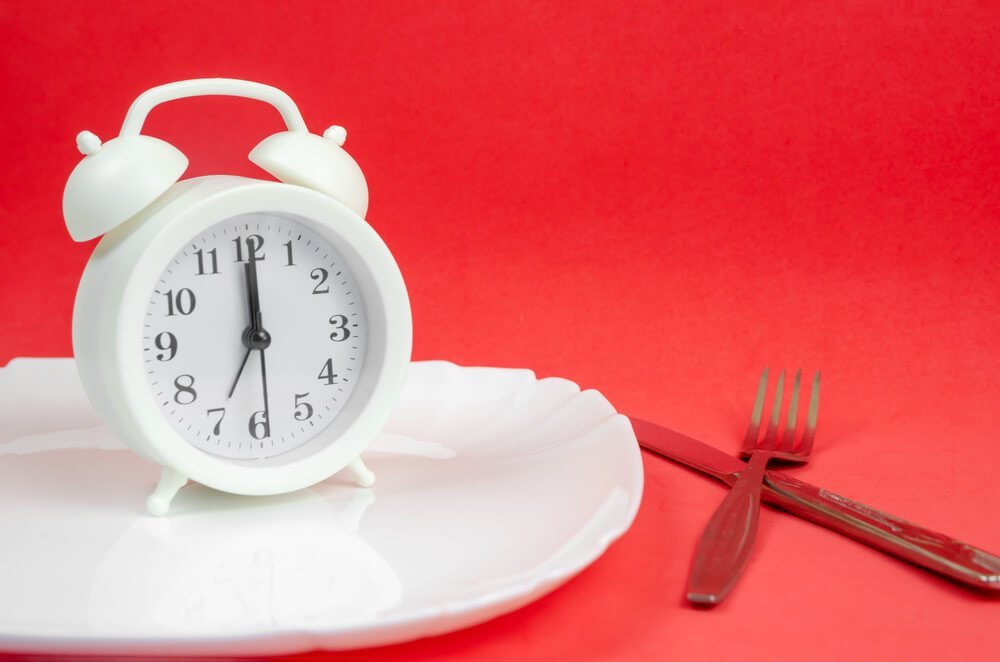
(888, 533)
(725, 544)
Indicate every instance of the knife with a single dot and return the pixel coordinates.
(934, 551)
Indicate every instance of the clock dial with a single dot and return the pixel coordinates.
(254, 337)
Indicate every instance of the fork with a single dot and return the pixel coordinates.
(725, 545)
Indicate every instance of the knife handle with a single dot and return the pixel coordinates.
(929, 549)
(728, 538)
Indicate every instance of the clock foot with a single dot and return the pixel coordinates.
(360, 473)
(158, 502)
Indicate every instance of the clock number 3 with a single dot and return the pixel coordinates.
(340, 330)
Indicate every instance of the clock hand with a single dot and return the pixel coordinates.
(252, 291)
(267, 412)
(236, 381)
(258, 339)
(254, 336)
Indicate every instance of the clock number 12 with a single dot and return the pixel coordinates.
(254, 244)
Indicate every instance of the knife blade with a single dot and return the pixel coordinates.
(933, 551)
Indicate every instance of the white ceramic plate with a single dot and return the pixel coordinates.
(493, 488)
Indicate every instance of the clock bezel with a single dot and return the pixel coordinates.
(387, 354)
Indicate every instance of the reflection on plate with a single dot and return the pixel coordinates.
(493, 488)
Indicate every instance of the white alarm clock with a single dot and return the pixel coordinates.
(250, 335)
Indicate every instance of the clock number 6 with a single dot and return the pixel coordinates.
(306, 412)
(340, 330)
(259, 425)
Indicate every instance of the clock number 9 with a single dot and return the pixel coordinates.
(185, 394)
(259, 425)
(167, 342)
(341, 332)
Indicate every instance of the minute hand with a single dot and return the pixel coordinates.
(253, 293)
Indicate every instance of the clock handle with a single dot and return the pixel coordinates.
(199, 87)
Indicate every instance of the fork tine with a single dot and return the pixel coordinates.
(771, 437)
(753, 431)
(810, 432)
(788, 439)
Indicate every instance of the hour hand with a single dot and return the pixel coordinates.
(243, 364)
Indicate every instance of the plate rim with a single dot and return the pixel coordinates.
(397, 629)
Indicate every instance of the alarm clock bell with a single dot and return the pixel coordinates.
(119, 178)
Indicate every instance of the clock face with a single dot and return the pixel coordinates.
(254, 337)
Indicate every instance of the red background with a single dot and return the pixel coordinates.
(655, 200)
